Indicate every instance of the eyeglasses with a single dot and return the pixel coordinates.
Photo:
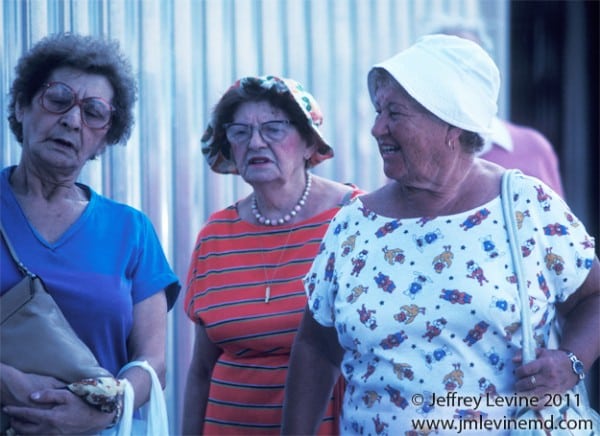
(270, 131)
(58, 98)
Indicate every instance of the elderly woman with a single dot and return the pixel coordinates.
(245, 290)
(422, 313)
(100, 260)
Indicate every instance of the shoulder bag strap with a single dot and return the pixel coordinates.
(511, 228)
(13, 253)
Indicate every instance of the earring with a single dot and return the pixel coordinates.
(450, 144)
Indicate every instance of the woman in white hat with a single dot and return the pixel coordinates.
(421, 315)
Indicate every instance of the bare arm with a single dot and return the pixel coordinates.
(582, 321)
(313, 371)
(147, 341)
(552, 368)
(204, 357)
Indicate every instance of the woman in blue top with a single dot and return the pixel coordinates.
(101, 261)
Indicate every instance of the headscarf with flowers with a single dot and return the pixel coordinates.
(214, 139)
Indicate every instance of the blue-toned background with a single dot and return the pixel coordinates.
(187, 52)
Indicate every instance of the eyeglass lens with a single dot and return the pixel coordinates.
(58, 98)
(270, 131)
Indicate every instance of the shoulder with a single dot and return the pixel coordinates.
(120, 218)
(487, 173)
(375, 196)
(222, 222)
(332, 193)
(527, 182)
(4, 176)
(533, 193)
(5, 172)
(229, 213)
(113, 210)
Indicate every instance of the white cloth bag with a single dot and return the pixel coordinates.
(152, 420)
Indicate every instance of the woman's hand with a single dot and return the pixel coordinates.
(17, 386)
(551, 372)
(57, 411)
(40, 404)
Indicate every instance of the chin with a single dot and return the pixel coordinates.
(393, 172)
(257, 177)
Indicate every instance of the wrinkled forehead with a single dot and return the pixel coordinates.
(390, 92)
(84, 84)
(260, 110)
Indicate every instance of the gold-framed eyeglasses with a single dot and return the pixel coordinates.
(270, 131)
(58, 98)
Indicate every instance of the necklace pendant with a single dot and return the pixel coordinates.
(267, 294)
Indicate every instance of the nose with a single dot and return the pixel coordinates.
(72, 118)
(256, 139)
(380, 126)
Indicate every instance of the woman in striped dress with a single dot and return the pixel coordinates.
(245, 290)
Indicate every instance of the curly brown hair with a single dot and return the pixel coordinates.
(89, 54)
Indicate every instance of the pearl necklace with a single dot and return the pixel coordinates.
(288, 216)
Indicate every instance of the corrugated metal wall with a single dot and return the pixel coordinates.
(186, 53)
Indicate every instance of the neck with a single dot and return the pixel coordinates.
(283, 214)
(446, 198)
(31, 183)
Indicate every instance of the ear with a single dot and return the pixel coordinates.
(19, 111)
(453, 137)
(310, 150)
(101, 149)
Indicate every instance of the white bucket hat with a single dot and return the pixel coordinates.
(452, 77)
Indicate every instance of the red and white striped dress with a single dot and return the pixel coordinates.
(232, 265)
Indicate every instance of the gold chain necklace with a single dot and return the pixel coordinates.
(269, 282)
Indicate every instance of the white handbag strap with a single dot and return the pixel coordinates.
(515, 251)
(154, 412)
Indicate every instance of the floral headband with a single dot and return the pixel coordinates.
(214, 140)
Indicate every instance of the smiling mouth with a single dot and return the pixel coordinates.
(386, 149)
